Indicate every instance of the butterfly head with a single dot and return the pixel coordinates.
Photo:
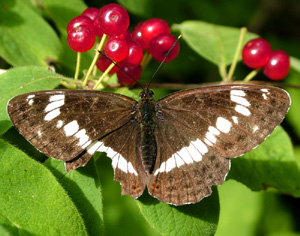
(146, 94)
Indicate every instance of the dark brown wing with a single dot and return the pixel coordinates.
(198, 129)
(63, 123)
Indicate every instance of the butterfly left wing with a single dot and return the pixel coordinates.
(197, 130)
(64, 123)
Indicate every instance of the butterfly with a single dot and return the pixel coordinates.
(178, 146)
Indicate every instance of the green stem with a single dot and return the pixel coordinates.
(96, 57)
(104, 75)
(237, 53)
(146, 59)
(251, 75)
(77, 66)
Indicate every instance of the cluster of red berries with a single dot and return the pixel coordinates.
(257, 53)
(123, 47)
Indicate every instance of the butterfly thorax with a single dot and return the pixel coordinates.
(146, 117)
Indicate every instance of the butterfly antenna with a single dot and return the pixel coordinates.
(163, 61)
(103, 54)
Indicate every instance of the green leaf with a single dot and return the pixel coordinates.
(84, 188)
(23, 80)
(271, 164)
(32, 202)
(195, 219)
(238, 200)
(20, 42)
(215, 43)
(293, 78)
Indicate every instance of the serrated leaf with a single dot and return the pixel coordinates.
(84, 188)
(271, 164)
(23, 80)
(215, 43)
(195, 219)
(32, 202)
(26, 38)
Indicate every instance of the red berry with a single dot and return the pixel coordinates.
(133, 71)
(153, 27)
(161, 44)
(116, 49)
(136, 35)
(135, 54)
(278, 66)
(80, 20)
(81, 38)
(103, 63)
(92, 13)
(126, 36)
(256, 53)
(113, 19)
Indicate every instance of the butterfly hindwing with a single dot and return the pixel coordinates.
(63, 123)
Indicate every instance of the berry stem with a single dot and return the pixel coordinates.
(104, 75)
(251, 75)
(96, 57)
(146, 59)
(237, 54)
(77, 66)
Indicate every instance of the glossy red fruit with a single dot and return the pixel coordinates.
(136, 35)
(80, 20)
(153, 27)
(278, 65)
(103, 63)
(113, 19)
(81, 38)
(133, 71)
(135, 54)
(256, 53)
(116, 49)
(161, 44)
(92, 13)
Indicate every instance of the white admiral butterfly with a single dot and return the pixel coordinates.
(178, 147)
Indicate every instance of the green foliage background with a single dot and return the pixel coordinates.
(37, 196)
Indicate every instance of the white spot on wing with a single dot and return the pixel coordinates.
(59, 124)
(240, 93)
(83, 138)
(255, 128)
(53, 105)
(187, 155)
(56, 97)
(265, 90)
(264, 96)
(240, 100)
(52, 114)
(235, 119)
(243, 110)
(223, 125)
(71, 128)
(118, 161)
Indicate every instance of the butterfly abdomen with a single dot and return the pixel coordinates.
(146, 116)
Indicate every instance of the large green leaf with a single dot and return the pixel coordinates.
(22, 80)
(195, 219)
(240, 209)
(84, 188)
(26, 38)
(215, 43)
(32, 202)
(271, 164)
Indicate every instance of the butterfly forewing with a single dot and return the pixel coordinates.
(63, 123)
(198, 129)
